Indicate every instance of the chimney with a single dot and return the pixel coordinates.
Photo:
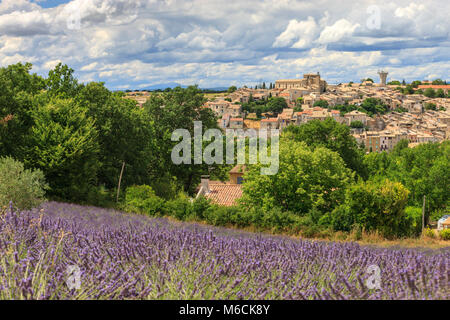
(205, 184)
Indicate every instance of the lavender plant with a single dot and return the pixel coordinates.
(124, 256)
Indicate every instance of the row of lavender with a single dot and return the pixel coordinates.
(135, 257)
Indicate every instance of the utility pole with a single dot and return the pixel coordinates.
(120, 180)
(423, 213)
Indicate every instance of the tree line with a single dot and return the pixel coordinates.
(78, 137)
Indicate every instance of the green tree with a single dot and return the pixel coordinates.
(408, 90)
(321, 103)
(416, 83)
(374, 205)
(430, 106)
(231, 89)
(164, 112)
(125, 134)
(61, 81)
(276, 105)
(429, 92)
(306, 179)
(63, 144)
(356, 124)
(374, 106)
(376, 163)
(18, 87)
(438, 82)
(424, 170)
(440, 93)
(334, 136)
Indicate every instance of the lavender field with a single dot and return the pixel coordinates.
(123, 256)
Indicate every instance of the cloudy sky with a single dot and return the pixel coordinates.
(212, 43)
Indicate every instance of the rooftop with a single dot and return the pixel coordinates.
(224, 194)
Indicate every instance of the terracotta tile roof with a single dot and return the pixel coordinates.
(270, 120)
(224, 194)
(446, 222)
(434, 86)
(236, 119)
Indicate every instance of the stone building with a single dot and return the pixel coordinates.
(310, 82)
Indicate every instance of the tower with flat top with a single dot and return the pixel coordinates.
(383, 77)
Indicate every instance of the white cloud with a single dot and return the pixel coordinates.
(89, 67)
(215, 42)
(298, 34)
(337, 31)
(51, 64)
(410, 11)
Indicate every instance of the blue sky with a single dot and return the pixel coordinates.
(214, 43)
(49, 3)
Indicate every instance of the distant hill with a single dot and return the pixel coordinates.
(162, 86)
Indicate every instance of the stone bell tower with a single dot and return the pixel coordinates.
(383, 77)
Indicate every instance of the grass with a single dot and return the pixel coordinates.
(366, 238)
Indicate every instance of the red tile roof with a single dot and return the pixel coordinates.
(270, 120)
(435, 86)
(224, 194)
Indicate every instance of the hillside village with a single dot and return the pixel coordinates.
(407, 118)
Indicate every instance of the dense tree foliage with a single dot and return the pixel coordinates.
(63, 143)
(334, 136)
(374, 206)
(81, 135)
(16, 100)
(178, 109)
(370, 106)
(274, 105)
(307, 178)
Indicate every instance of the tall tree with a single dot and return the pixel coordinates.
(63, 144)
(173, 110)
(306, 179)
(334, 136)
(124, 134)
(16, 101)
(61, 81)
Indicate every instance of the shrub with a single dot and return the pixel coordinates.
(414, 216)
(357, 232)
(427, 232)
(218, 215)
(180, 208)
(277, 220)
(101, 197)
(311, 231)
(239, 216)
(25, 188)
(142, 199)
(375, 205)
(199, 206)
(445, 234)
